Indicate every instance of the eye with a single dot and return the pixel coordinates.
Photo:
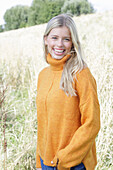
(67, 39)
(54, 38)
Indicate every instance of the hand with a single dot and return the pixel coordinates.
(38, 168)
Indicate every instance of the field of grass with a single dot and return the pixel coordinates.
(21, 59)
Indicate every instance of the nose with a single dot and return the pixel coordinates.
(60, 43)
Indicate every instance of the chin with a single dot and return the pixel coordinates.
(57, 57)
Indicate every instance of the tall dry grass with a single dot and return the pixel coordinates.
(21, 59)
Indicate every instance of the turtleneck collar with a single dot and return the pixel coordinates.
(55, 64)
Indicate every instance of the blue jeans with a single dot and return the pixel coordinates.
(78, 167)
(45, 167)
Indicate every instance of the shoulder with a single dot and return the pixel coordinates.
(42, 74)
(85, 76)
(86, 87)
(85, 82)
(84, 72)
(43, 71)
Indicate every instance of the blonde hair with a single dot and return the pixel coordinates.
(75, 63)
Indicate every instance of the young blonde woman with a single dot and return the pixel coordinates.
(68, 113)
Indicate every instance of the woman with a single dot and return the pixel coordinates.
(68, 111)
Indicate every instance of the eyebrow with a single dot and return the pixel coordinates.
(63, 37)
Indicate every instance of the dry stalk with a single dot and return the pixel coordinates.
(3, 117)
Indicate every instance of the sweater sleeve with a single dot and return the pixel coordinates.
(84, 137)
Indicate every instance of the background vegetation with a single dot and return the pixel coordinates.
(41, 11)
(21, 59)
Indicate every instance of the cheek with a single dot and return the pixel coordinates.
(50, 43)
(69, 46)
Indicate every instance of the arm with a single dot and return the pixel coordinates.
(38, 163)
(84, 137)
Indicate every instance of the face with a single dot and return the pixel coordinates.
(59, 42)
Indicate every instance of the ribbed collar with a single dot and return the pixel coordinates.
(55, 64)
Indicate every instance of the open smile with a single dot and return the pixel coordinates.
(59, 51)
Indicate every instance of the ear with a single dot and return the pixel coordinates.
(45, 40)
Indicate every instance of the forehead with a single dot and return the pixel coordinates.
(60, 31)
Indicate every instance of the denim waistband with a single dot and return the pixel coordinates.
(78, 167)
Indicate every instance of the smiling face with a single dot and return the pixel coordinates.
(59, 42)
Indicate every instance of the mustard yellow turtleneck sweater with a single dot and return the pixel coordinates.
(67, 126)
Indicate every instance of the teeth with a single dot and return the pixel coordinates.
(59, 51)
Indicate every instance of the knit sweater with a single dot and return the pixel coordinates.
(67, 125)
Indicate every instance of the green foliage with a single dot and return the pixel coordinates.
(77, 7)
(16, 17)
(34, 12)
(42, 11)
(1, 28)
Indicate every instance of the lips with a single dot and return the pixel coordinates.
(59, 51)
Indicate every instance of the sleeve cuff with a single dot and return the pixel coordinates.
(57, 163)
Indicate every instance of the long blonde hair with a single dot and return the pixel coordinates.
(75, 63)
